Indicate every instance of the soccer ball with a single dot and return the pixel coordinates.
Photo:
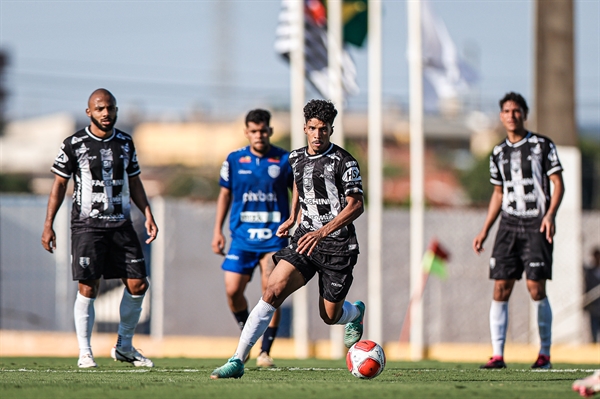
(365, 359)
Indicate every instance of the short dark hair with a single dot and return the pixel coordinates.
(517, 98)
(258, 116)
(320, 109)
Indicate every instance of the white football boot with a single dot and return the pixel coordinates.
(134, 357)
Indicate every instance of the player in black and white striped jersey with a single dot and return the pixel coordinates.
(328, 190)
(521, 169)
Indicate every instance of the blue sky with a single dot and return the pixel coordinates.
(167, 59)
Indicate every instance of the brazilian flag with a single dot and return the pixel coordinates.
(354, 19)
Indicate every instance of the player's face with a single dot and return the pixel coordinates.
(318, 135)
(102, 111)
(258, 134)
(512, 117)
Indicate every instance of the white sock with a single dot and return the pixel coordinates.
(498, 326)
(544, 316)
(84, 315)
(130, 310)
(255, 327)
(349, 313)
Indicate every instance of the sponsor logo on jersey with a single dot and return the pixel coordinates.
(224, 171)
(84, 261)
(352, 247)
(351, 163)
(232, 257)
(274, 159)
(274, 171)
(315, 201)
(61, 157)
(121, 136)
(76, 140)
(245, 159)
(125, 148)
(244, 172)
(351, 174)
(260, 217)
(338, 285)
(107, 183)
(134, 158)
(260, 234)
(259, 196)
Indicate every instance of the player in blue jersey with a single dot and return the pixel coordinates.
(254, 183)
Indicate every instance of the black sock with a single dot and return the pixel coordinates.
(268, 338)
(241, 317)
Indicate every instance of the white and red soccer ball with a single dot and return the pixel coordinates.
(365, 359)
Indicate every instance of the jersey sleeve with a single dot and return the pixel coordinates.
(64, 161)
(225, 173)
(133, 168)
(551, 162)
(351, 178)
(495, 177)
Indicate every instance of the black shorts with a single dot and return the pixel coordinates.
(109, 254)
(515, 252)
(335, 272)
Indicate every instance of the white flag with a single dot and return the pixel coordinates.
(315, 51)
(443, 69)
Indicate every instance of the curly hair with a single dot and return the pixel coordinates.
(517, 98)
(258, 116)
(320, 109)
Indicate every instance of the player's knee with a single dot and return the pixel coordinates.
(137, 286)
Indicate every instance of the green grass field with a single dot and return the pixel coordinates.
(189, 378)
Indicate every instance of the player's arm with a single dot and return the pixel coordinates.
(353, 209)
(57, 196)
(138, 195)
(284, 229)
(492, 214)
(223, 204)
(548, 222)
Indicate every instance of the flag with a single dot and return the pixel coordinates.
(315, 47)
(354, 18)
(434, 260)
(446, 75)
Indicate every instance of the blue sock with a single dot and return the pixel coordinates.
(268, 338)
(241, 317)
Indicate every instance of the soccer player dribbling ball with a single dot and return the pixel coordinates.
(254, 183)
(328, 190)
(104, 164)
(521, 168)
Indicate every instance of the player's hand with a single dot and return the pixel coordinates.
(218, 244)
(308, 242)
(49, 239)
(548, 226)
(478, 242)
(151, 230)
(284, 229)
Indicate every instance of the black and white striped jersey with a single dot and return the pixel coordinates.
(101, 170)
(323, 182)
(523, 170)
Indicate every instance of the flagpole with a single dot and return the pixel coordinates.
(417, 151)
(375, 151)
(300, 297)
(334, 61)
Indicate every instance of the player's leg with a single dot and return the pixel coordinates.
(88, 254)
(537, 257)
(335, 281)
(505, 269)
(127, 262)
(235, 285)
(284, 280)
(264, 359)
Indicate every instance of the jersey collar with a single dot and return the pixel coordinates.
(319, 155)
(109, 138)
(520, 142)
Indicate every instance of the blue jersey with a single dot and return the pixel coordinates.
(259, 190)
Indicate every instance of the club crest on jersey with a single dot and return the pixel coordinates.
(245, 159)
(351, 174)
(84, 261)
(274, 171)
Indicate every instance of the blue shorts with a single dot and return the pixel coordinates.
(242, 262)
